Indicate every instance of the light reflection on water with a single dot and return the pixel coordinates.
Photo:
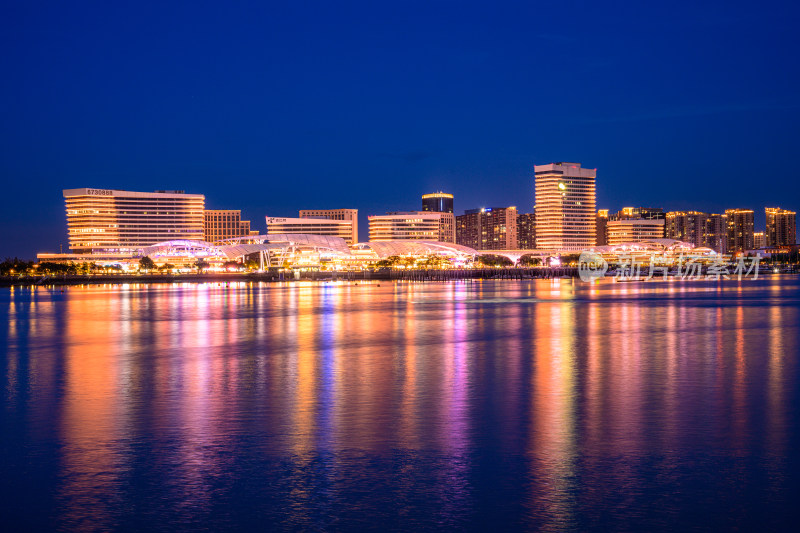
(548, 404)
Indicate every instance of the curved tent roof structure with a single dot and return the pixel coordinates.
(181, 247)
(385, 249)
(283, 240)
(654, 245)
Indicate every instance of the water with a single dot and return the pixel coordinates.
(484, 405)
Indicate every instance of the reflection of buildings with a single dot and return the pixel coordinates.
(350, 215)
(781, 227)
(311, 226)
(526, 231)
(412, 225)
(488, 228)
(565, 206)
(221, 224)
(740, 229)
(634, 230)
(104, 220)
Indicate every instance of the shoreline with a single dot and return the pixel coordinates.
(270, 277)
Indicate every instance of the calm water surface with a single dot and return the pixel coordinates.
(485, 405)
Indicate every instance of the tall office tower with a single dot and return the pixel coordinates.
(759, 240)
(488, 228)
(439, 202)
(565, 206)
(411, 226)
(526, 231)
(311, 226)
(105, 220)
(221, 224)
(350, 215)
(740, 229)
(601, 223)
(634, 230)
(781, 227)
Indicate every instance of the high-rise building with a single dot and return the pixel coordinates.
(686, 226)
(715, 234)
(601, 224)
(488, 228)
(565, 207)
(781, 227)
(438, 202)
(106, 220)
(740, 229)
(759, 240)
(634, 230)
(311, 226)
(412, 225)
(447, 228)
(468, 229)
(350, 215)
(221, 224)
(526, 231)
(701, 229)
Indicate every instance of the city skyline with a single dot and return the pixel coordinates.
(102, 222)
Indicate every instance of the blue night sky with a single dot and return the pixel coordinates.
(272, 107)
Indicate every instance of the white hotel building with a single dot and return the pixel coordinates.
(350, 215)
(565, 207)
(312, 226)
(633, 230)
(413, 226)
(107, 220)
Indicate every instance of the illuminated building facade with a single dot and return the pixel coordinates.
(647, 213)
(601, 223)
(349, 215)
(715, 233)
(634, 230)
(447, 227)
(488, 228)
(221, 224)
(700, 229)
(740, 229)
(311, 226)
(781, 227)
(411, 225)
(526, 231)
(759, 240)
(468, 229)
(437, 202)
(565, 206)
(107, 220)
